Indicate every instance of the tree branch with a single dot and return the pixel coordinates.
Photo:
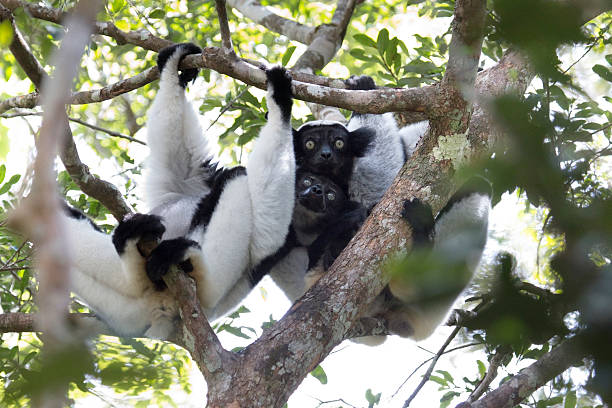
(375, 101)
(196, 335)
(433, 363)
(491, 374)
(223, 24)
(38, 215)
(529, 379)
(80, 122)
(453, 108)
(264, 16)
(93, 186)
(86, 323)
(103, 191)
(142, 38)
(324, 46)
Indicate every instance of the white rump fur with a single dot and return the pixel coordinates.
(249, 223)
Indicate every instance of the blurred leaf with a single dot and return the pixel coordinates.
(319, 374)
(6, 33)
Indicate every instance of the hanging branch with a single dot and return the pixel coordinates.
(102, 190)
(512, 392)
(223, 25)
(263, 15)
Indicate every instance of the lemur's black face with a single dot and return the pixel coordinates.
(325, 147)
(319, 194)
(330, 149)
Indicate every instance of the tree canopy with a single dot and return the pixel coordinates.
(517, 90)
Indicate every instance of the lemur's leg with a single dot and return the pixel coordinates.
(176, 166)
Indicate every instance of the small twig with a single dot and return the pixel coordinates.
(491, 374)
(437, 356)
(226, 38)
(321, 402)
(76, 120)
(431, 366)
(428, 360)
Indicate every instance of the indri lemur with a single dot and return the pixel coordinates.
(217, 223)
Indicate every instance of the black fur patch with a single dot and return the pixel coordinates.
(280, 81)
(360, 83)
(474, 185)
(145, 227)
(420, 218)
(263, 268)
(337, 234)
(79, 215)
(168, 253)
(184, 49)
(206, 206)
(362, 140)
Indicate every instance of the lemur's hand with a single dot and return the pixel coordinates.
(142, 230)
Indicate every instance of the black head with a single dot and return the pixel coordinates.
(329, 148)
(317, 200)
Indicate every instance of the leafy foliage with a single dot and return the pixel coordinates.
(556, 157)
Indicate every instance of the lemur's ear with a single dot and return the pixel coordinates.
(361, 140)
(297, 146)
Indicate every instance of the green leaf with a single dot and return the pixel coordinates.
(287, 55)
(2, 172)
(157, 13)
(382, 40)
(570, 400)
(482, 370)
(319, 374)
(7, 186)
(6, 33)
(609, 59)
(117, 5)
(447, 376)
(235, 331)
(603, 72)
(123, 25)
(371, 398)
(365, 40)
(360, 54)
(437, 379)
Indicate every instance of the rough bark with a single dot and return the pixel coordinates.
(267, 18)
(105, 192)
(514, 391)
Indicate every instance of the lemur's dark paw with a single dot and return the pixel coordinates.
(279, 81)
(168, 253)
(146, 228)
(420, 217)
(182, 50)
(360, 83)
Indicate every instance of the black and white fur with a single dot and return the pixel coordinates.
(457, 236)
(217, 223)
(321, 208)
(326, 150)
(459, 231)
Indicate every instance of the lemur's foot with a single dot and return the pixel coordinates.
(182, 50)
(176, 251)
(360, 83)
(420, 218)
(143, 230)
(279, 86)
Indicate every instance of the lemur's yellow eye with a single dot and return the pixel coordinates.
(339, 144)
(331, 196)
(307, 182)
(310, 144)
